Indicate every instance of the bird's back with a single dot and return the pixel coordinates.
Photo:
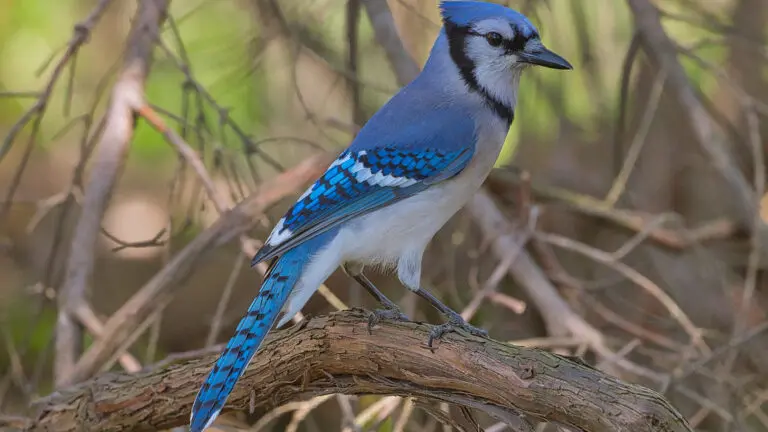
(417, 118)
(434, 110)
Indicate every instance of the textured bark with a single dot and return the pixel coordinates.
(336, 354)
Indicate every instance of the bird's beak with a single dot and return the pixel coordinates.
(541, 56)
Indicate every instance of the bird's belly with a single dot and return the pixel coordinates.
(380, 238)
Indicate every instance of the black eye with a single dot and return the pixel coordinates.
(494, 39)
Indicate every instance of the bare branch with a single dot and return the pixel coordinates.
(660, 47)
(642, 281)
(559, 317)
(641, 222)
(220, 202)
(383, 23)
(160, 289)
(82, 32)
(111, 151)
(336, 354)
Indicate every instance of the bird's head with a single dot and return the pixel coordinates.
(491, 44)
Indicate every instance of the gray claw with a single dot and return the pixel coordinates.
(392, 314)
(455, 323)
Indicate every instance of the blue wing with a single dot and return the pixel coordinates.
(359, 182)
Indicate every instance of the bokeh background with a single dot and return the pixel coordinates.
(256, 86)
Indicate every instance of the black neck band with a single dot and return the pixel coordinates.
(457, 42)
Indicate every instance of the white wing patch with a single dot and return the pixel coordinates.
(278, 235)
(362, 173)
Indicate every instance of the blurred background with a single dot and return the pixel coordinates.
(626, 212)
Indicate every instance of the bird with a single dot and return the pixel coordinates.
(410, 168)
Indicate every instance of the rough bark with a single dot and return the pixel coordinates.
(336, 354)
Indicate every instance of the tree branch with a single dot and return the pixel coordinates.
(111, 151)
(385, 32)
(159, 290)
(711, 140)
(336, 354)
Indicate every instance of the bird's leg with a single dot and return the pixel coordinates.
(455, 321)
(390, 311)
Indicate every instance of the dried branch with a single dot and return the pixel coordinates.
(633, 220)
(711, 140)
(220, 201)
(559, 318)
(160, 289)
(82, 32)
(383, 23)
(631, 274)
(335, 353)
(111, 151)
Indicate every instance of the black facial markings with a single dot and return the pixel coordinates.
(517, 44)
(521, 38)
(457, 41)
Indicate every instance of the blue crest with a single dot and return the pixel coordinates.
(464, 13)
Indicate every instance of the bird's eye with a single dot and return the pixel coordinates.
(494, 39)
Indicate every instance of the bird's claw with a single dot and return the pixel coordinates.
(455, 323)
(391, 312)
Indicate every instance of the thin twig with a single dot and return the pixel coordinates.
(619, 185)
(753, 262)
(157, 291)
(661, 48)
(112, 149)
(213, 334)
(648, 285)
(559, 317)
(95, 327)
(82, 32)
(385, 31)
(637, 221)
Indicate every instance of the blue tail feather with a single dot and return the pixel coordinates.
(253, 328)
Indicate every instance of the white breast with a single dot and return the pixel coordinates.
(399, 233)
(385, 235)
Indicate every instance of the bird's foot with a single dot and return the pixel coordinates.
(455, 323)
(390, 312)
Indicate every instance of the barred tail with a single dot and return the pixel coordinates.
(262, 313)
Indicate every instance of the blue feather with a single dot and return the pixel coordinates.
(261, 316)
(342, 193)
(464, 13)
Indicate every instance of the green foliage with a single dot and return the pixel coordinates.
(217, 41)
(29, 326)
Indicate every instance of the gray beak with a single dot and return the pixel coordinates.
(541, 56)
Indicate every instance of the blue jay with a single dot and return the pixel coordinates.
(412, 166)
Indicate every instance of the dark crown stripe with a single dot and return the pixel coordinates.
(457, 41)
